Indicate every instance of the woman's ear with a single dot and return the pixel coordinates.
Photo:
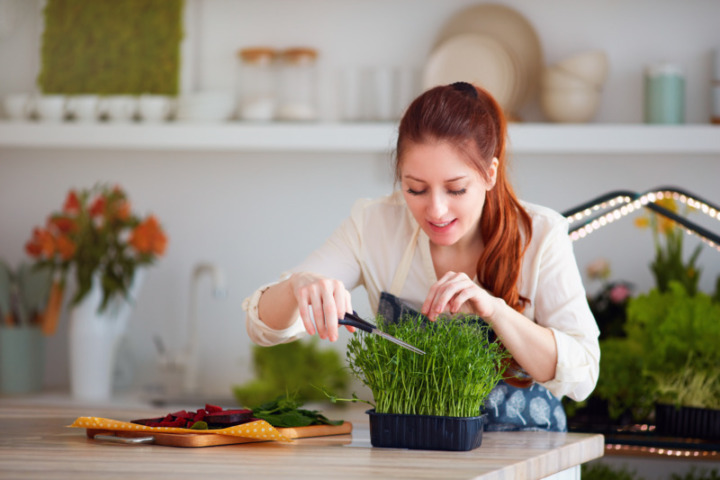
(492, 173)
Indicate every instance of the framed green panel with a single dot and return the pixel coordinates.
(111, 46)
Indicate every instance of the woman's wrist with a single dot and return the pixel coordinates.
(499, 306)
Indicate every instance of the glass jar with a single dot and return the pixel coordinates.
(298, 85)
(664, 94)
(257, 85)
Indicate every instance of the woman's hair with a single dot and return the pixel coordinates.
(468, 118)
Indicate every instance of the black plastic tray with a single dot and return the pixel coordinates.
(425, 432)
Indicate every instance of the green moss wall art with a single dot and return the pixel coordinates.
(111, 47)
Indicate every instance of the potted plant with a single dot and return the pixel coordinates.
(679, 334)
(432, 401)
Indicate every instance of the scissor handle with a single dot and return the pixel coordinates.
(353, 320)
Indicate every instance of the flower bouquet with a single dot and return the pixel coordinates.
(95, 234)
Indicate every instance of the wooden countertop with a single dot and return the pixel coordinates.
(36, 443)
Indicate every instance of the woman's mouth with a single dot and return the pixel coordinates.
(441, 226)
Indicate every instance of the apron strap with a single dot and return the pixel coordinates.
(404, 267)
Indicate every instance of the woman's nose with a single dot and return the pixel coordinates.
(437, 206)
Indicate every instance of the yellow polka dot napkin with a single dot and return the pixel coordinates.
(257, 429)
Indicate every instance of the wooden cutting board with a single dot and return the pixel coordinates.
(212, 439)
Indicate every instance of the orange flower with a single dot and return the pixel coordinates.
(668, 204)
(72, 203)
(97, 209)
(642, 222)
(123, 211)
(62, 224)
(41, 244)
(65, 247)
(665, 225)
(148, 237)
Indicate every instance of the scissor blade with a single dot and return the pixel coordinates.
(398, 341)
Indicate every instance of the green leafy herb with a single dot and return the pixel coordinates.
(293, 367)
(199, 425)
(460, 367)
(285, 411)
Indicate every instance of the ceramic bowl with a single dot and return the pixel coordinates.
(570, 105)
(591, 66)
(553, 78)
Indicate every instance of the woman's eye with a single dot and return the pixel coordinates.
(457, 192)
(415, 192)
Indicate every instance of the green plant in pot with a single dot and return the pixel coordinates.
(432, 401)
(679, 334)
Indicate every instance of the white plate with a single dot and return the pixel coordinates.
(512, 30)
(472, 58)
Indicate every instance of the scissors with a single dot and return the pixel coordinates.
(351, 319)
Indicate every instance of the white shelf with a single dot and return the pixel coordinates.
(353, 137)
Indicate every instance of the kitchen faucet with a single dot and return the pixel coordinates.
(191, 350)
(186, 361)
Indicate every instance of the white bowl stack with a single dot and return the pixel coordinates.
(206, 106)
(571, 89)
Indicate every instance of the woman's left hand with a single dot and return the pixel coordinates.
(456, 292)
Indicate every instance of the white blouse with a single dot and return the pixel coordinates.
(367, 248)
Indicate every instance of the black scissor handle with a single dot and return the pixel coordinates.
(352, 320)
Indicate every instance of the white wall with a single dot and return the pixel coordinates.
(256, 214)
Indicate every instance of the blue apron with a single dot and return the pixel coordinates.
(509, 408)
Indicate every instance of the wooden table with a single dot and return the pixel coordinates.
(36, 443)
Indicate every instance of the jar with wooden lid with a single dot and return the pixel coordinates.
(298, 85)
(257, 84)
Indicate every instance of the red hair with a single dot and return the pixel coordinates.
(476, 126)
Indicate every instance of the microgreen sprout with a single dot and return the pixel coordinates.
(455, 376)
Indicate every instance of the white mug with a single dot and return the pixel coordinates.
(120, 108)
(83, 108)
(154, 108)
(51, 108)
(18, 106)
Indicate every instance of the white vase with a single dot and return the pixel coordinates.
(94, 339)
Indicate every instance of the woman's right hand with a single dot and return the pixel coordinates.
(321, 302)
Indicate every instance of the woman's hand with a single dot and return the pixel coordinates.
(321, 302)
(456, 292)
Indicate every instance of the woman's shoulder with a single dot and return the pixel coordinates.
(389, 207)
(382, 220)
(545, 220)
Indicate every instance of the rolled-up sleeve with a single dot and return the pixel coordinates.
(561, 305)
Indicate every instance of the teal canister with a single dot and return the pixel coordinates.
(22, 359)
(664, 94)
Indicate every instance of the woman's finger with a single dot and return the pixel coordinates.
(318, 314)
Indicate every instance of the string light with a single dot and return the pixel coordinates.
(610, 208)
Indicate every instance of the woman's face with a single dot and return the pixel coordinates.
(444, 192)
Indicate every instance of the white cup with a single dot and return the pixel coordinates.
(51, 108)
(18, 106)
(119, 108)
(83, 108)
(155, 108)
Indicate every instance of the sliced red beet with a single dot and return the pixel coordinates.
(184, 414)
(148, 421)
(212, 408)
(214, 416)
(228, 418)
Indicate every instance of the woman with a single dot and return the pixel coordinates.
(454, 239)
